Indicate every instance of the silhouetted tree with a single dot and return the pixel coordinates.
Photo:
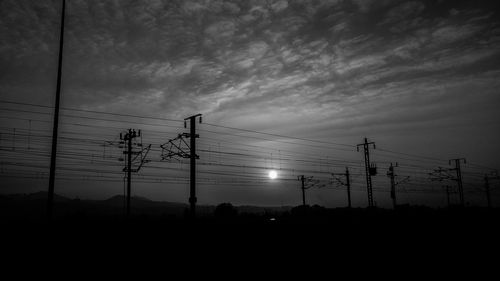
(300, 211)
(308, 213)
(225, 211)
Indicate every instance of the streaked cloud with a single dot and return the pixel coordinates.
(245, 62)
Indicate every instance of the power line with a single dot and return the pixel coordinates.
(280, 136)
(214, 125)
(95, 111)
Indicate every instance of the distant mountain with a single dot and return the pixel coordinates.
(40, 195)
(121, 197)
(262, 210)
(138, 204)
(118, 200)
(141, 202)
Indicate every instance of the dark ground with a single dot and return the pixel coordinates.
(99, 229)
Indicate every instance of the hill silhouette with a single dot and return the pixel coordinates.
(32, 206)
(22, 209)
(40, 195)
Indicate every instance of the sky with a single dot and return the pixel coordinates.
(420, 78)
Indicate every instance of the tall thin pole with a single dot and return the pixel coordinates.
(303, 191)
(129, 170)
(192, 187)
(50, 199)
(192, 155)
(348, 183)
(459, 178)
(302, 178)
(393, 185)
(448, 195)
(368, 170)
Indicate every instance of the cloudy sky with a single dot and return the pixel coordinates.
(420, 77)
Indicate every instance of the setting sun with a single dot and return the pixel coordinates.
(273, 174)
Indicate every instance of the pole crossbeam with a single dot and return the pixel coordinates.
(174, 148)
(441, 174)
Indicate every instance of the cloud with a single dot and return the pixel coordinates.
(249, 58)
(421, 72)
(453, 33)
(221, 29)
(403, 12)
(363, 5)
(279, 6)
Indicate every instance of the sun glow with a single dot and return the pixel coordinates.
(273, 174)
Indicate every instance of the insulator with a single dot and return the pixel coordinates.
(185, 125)
(121, 136)
(200, 119)
(139, 133)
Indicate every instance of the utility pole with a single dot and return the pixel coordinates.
(128, 151)
(192, 144)
(391, 175)
(302, 178)
(131, 134)
(448, 195)
(459, 178)
(50, 199)
(307, 182)
(487, 186)
(370, 170)
(347, 184)
(129, 137)
(441, 174)
(174, 148)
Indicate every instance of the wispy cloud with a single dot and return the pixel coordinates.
(250, 60)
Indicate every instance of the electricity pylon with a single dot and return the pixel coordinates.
(307, 182)
(139, 159)
(459, 178)
(392, 175)
(370, 169)
(347, 183)
(487, 178)
(174, 148)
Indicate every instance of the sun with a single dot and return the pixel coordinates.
(273, 174)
